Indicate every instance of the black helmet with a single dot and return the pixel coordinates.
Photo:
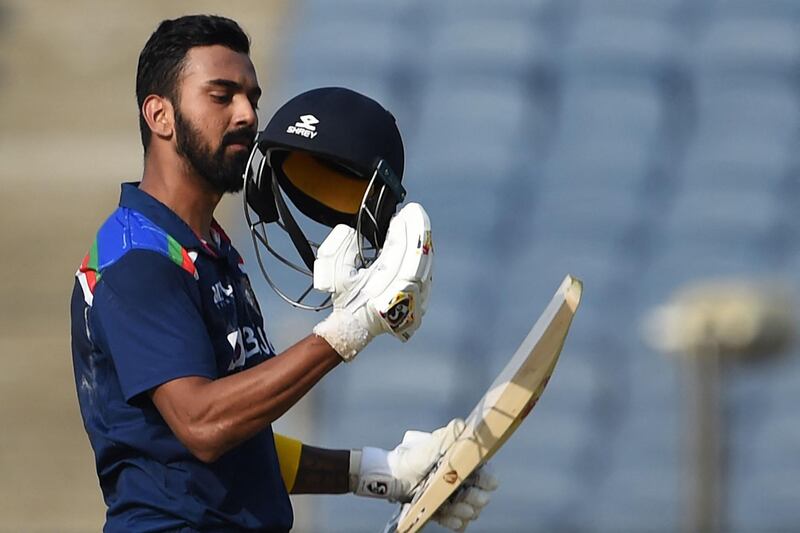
(338, 156)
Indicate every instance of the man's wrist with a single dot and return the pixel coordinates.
(344, 333)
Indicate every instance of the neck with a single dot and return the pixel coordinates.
(183, 191)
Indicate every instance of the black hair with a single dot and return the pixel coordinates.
(163, 56)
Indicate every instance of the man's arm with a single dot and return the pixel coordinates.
(386, 474)
(322, 471)
(212, 416)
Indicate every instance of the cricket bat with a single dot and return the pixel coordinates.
(497, 415)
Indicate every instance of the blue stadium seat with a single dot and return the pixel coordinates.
(584, 213)
(760, 9)
(471, 130)
(613, 109)
(610, 166)
(749, 47)
(755, 163)
(622, 45)
(680, 260)
(755, 108)
(528, 11)
(361, 48)
(638, 497)
(727, 215)
(507, 48)
(665, 10)
(323, 11)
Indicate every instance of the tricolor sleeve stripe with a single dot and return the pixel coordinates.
(92, 257)
(122, 232)
(88, 292)
(87, 274)
(180, 256)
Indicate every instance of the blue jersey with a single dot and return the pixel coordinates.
(152, 303)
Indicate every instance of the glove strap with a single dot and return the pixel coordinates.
(374, 478)
(355, 469)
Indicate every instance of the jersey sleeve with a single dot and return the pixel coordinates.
(146, 315)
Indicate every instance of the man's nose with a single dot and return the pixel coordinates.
(245, 114)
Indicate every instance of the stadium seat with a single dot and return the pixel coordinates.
(703, 214)
(761, 9)
(454, 11)
(620, 109)
(622, 45)
(323, 11)
(754, 164)
(759, 109)
(470, 131)
(736, 47)
(360, 48)
(506, 48)
(662, 10)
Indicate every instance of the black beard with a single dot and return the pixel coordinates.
(223, 173)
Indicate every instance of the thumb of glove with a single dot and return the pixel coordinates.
(335, 266)
(419, 450)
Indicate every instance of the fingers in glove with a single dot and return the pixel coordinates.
(475, 498)
(455, 516)
(450, 522)
(461, 510)
(334, 267)
(484, 479)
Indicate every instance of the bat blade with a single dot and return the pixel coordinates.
(500, 411)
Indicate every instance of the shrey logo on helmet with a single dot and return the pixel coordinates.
(350, 175)
(306, 127)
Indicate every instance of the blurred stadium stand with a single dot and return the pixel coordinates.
(637, 145)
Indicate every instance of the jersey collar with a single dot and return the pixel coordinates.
(134, 198)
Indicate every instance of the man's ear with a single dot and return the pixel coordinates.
(159, 115)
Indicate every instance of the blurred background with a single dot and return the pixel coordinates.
(639, 145)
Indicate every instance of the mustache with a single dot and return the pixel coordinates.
(244, 136)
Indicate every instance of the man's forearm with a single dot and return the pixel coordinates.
(322, 471)
(211, 417)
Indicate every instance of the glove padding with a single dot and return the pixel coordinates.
(469, 500)
(394, 475)
(388, 297)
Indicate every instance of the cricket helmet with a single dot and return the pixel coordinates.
(337, 156)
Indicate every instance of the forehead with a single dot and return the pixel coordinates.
(204, 63)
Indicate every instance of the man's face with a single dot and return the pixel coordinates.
(215, 118)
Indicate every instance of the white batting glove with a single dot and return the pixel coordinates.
(394, 474)
(388, 297)
(469, 500)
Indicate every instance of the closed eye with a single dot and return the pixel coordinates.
(222, 98)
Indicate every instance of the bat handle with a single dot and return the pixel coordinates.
(391, 525)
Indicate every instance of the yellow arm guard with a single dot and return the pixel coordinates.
(289, 458)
